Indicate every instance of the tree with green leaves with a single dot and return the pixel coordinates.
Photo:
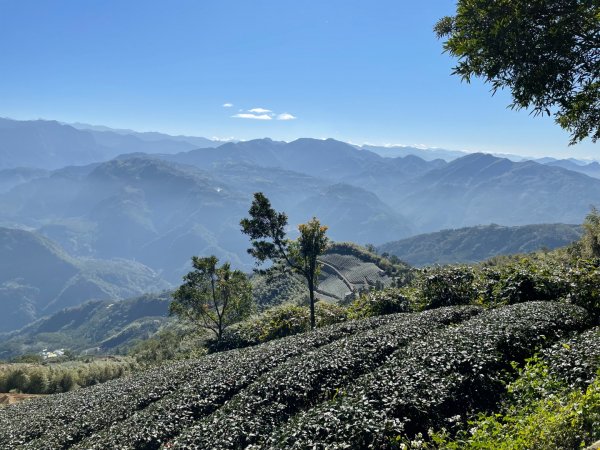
(590, 241)
(545, 51)
(266, 229)
(213, 297)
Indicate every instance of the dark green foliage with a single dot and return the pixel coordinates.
(445, 286)
(370, 381)
(552, 276)
(266, 229)
(432, 382)
(194, 394)
(576, 361)
(543, 51)
(522, 281)
(590, 242)
(317, 376)
(554, 403)
(211, 297)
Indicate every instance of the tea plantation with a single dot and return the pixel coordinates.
(373, 383)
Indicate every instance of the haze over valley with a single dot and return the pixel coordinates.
(143, 203)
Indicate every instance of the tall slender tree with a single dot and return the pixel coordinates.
(266, 229)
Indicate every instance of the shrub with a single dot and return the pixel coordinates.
(542, 413)
(444, 286)
(305, 381)
(278, 322)
(146, 410)
(379, 303)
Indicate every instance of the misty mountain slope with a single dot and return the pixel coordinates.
(46, 145)
(118, 143)
(151, 136)
(38, 277)
(474, 244)
(142, 208)
(9, 178)
(591, 169)
(283, 187)
(392, 177)
(353, 214)
(328, 159)
(428, 154)
(95, 325)
(481, 188)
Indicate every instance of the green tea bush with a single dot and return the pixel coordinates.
(147, 411)
(310, 379)
(379, 303)
(372, 382)
(435, 287)
(576, 361)
(278, 322)
(541, 412)
(434, 382)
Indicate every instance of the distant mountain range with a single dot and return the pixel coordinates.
(45, 144)
(474, 244)
(155, 200)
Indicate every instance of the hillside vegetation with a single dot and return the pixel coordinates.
(475, 244)
(115, 326)
(260, 396)
(488, 353)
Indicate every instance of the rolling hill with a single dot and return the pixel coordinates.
(37, 277)
(97, 326)
(474, 244)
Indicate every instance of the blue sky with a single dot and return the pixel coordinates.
(360, 71)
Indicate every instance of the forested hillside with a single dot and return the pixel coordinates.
(474, 244)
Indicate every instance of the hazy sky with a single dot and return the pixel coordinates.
(361, 71)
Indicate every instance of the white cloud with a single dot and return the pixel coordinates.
(222, 139)
(285, 116)
(252, 116)
(259, 110)
(227, 105)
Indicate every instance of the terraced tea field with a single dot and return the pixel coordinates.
(344, 274)
(352, 385)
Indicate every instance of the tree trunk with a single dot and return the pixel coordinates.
(311, 288)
